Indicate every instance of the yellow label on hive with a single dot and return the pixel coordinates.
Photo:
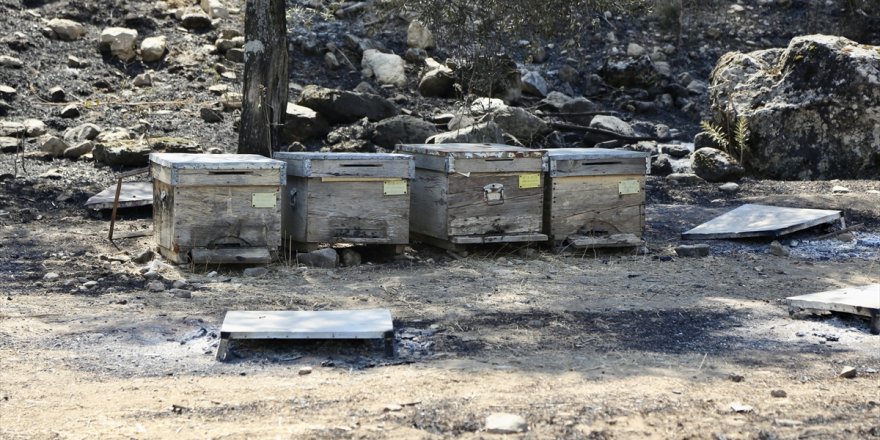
(394, 187)
(628, 187)
(531, 180)
(264, 200)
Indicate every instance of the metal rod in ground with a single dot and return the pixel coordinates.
(115, 205)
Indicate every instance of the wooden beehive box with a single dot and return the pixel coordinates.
(216, 208)
(595, 197)
(476, 193)
(356, 198)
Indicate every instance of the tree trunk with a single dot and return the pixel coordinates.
(264, 96)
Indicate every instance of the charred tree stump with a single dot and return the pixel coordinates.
(264, 95)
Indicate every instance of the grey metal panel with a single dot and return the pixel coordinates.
(313, 164)
(760, 221)
(861, 300)
(592, 154)
(176, 162)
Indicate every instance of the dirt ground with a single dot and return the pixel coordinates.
(582, 345)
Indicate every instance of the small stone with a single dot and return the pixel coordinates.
(196, 19)
(120, 42)
(8, 61)
(236, 55)
(848, 373)
(79, 150)
(178, 284)
(210, 115)
(846, 237)
(143, 80)
(90, 284)
(349, 257)
(51, 276)
(56, 94)
(70, 112)
(729, 188)
(505, 423)
(143, 257)
(231, 101)
(635, 50)
(392, 407)
(212, 274)
(326, 258)
(837, 189)
(153, 48)
(66, 30)
(34, 128)
(778, 393)
(181, 293)
(76, 63)
(778, 249)
(736, 377)
(800, 334)
(693, 250)
(7, 92)
(304, 371)
(740, 408)
(255, 271)
(331, 61)
(53, 145)
(156, 286)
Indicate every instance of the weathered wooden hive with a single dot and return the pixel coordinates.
(595, 197)
(356, 198)
(217, 208)
(476, 193)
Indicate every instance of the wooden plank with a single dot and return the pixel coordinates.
(559, 154)
(611, 241)
(504, 238)
(294, 209)
(217, 216)
(496, 165)
(190, 161)
(163, 217)
(331, 324)
(860, 300)
(429, 204)
(356, 212)
(470, 214)
(471, 150)
(434, 163)
(249, 255)
(230, 177)
(559, 168)
(133, 194)
(761, 221)
(593, 205)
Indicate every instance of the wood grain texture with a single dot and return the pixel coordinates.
(348, 164)
(592, 205)
(224, 216)
(429, 203)
(251, 255)
(470, 214)
(163, 219)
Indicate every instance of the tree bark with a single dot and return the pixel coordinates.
(264, 95)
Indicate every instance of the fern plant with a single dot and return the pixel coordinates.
(733, 142)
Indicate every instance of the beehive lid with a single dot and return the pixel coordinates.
(470, 151)
(188, 161)
(596, 161)
(379, 165)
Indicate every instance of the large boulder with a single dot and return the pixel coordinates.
(812, 109)
(419, 36)
(387, 68)
(340, 106)
(136, 153)
(629, 72)
(402, 129)
(437, 82)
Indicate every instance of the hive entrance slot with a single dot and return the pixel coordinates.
(230, 173)
(499, 159)
(600, 163)
(361, 165)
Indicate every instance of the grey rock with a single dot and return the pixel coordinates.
(90, 285)
(120, 42)
(69, 112)
(153, 49)
(838, 189)
(7, 92)
(156, 286)
(520, 123)
(568, 74)
(675, 150)
(339, 106)
(778, 394)
(692, 250)
(387, 68)
(304, 371)
(331, 61)
(612, 124)
(181, 293)
(235, 54)
(80, 133)
(255, 272)
(302, 123)
(534, 84)
(661, 165)
(846, 237)
(555, 100)
(11, 62)
(196, 19)
(34, 128)
(51, 276)
(785, 95)
(729, 188)
(778, 249)
(437, 83)
(485, 132)
(143, 256)
(505, 423)
(57, 94)
(349, 257)
(9, 144)
(716, 166)
(179, 284)
(53, 145)
(402, 129)
(326, 258)
(143, 80)
(135, 153)
(415, 55)
(76, 63)
(704, 140)
(848, 373)
(66, 30)
(210, 115)
(419, 36)
(629, 72)
(79, 150)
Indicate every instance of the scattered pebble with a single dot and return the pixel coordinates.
(255, 271)
(180, 293)
(740, 408)
(51, 276)
(692, 250)
(304, 371)
(778, 393)
(392, 407)
(778, 249)
(736, 377)
(156, 286)
(837, 189)
(848, 373)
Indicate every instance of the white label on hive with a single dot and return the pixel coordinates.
(531, 180)
(628, 187)
(394, 187)
(264, 200)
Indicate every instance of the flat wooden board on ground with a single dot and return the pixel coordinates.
(761, 221)
(133, 194)
(861, 300)
(331, 324)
